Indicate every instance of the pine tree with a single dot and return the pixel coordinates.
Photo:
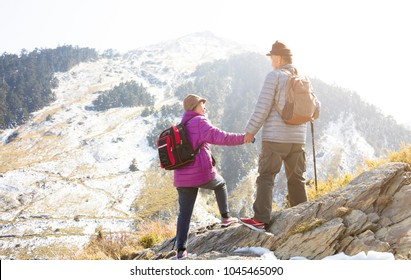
(133, 166)
(26, 82)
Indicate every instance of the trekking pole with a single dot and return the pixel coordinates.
(315, 164)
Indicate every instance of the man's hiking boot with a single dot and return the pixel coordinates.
(225, 222)
(182, 254)
(253, 224)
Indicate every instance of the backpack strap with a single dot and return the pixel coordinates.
(290, 73)
(276, 107)
(276, 92)
(293, 71)
(199, 146)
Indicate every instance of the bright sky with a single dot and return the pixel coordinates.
(360, 45)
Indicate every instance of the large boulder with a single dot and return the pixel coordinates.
(371, 213)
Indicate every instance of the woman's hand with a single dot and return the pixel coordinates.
(248, 137)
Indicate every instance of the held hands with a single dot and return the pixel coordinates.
(249, 138)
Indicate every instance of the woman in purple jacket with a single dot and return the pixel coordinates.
(200, 173)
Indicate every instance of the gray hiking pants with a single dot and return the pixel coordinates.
(186, 200)
(271, 158)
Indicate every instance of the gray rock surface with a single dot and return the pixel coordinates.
(371, 213)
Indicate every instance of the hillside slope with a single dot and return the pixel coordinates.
(66, 172)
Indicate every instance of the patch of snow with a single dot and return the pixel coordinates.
(264, 253)
(340, 149)
(267, 254)
(370, 255)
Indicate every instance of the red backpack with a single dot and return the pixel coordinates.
(174, 149)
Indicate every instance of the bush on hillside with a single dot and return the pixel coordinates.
(129, 94)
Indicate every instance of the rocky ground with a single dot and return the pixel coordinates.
(370, 214)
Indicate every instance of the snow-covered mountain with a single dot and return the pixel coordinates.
(183, 55)
(66, 172)
(342, 148)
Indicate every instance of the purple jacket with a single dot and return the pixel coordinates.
(201, 131)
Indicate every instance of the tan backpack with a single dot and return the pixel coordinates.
(300, 101)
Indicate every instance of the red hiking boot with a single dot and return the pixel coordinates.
(225, 222)
(253, 224)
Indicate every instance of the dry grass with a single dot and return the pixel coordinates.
(402, 155)
(126, 245)
(110, 246)
(154, 232)
(305, 226)
(158, 199)
(275, 207)
(329, 185)
(27, 149)
(332, 184)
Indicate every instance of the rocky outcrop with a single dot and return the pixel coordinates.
(371, 213)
